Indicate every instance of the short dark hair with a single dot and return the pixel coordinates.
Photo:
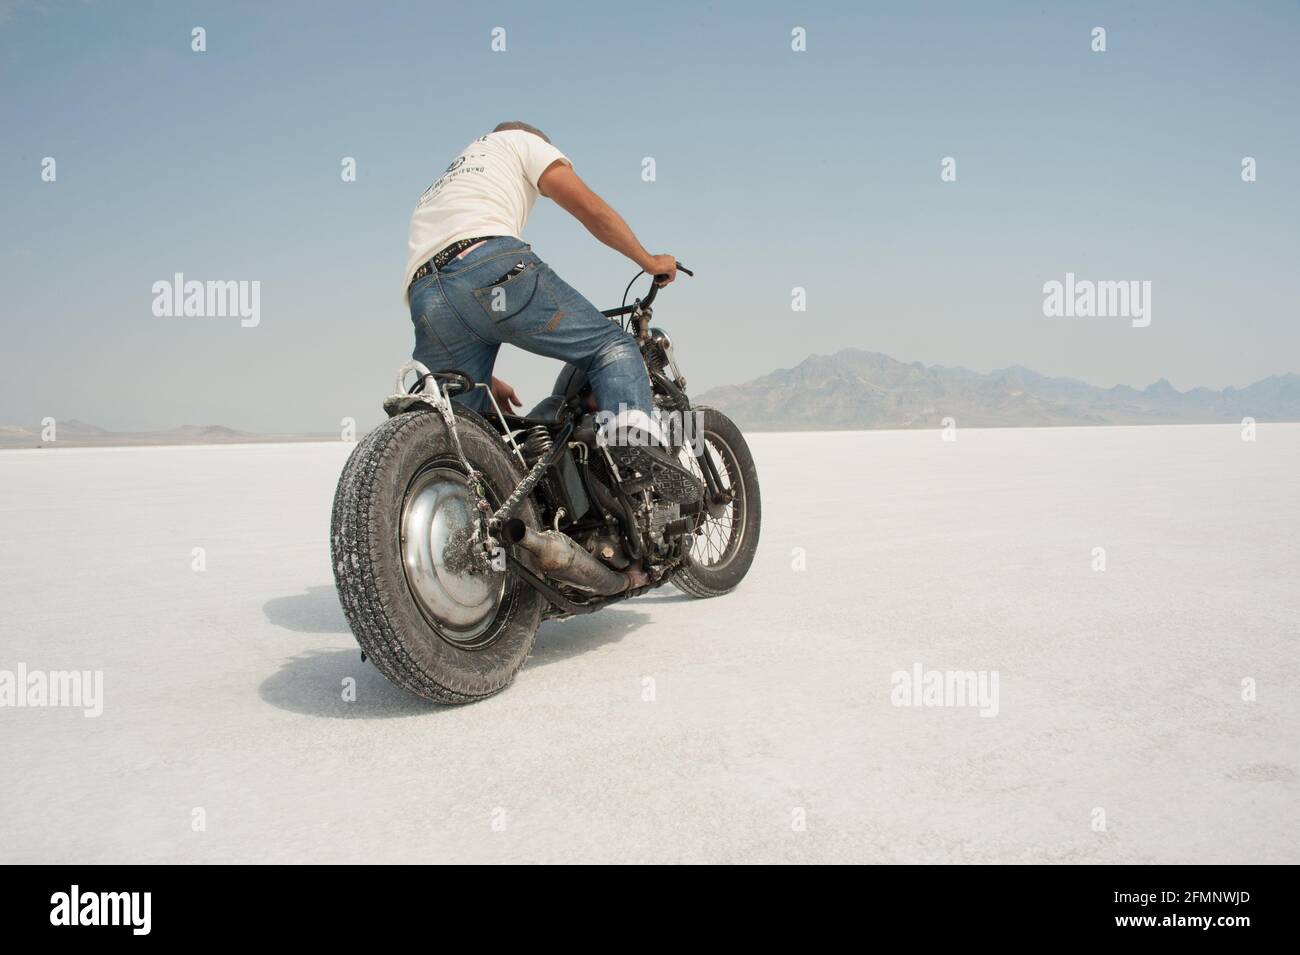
(515, 124)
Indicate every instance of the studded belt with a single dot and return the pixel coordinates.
(446, 255)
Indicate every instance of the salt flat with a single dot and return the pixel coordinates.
(1121, 734)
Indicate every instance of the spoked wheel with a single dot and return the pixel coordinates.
(432, 621)
(725, 543)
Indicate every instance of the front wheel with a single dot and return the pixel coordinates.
(725, 543)
(433, 624)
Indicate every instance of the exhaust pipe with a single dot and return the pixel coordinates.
(559, 556)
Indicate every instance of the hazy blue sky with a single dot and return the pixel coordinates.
(775, 169)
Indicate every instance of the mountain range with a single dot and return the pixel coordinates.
(855, 390)
(73, 433)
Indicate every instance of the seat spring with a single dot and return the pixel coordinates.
(537, 441)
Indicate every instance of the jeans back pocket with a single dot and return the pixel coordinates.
(511, 293)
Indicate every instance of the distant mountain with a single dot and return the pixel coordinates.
(855, 389)
(80, 428)
(78, 434)
(210, 432)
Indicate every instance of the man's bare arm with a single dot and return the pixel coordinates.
(561, 183)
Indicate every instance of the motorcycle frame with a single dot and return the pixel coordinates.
(435, 390)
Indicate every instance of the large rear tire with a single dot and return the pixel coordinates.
(725, 545)
(431, 627)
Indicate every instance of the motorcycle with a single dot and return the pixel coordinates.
(454, 534)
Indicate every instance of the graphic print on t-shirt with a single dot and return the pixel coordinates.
(457, 166)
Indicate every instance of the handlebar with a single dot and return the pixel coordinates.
(644, 302)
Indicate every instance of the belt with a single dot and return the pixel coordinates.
(446, 255)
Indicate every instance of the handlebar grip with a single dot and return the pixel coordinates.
(654, 289)
(680, 268)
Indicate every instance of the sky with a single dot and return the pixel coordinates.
(775, 169)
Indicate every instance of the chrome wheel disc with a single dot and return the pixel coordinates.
(458, 604)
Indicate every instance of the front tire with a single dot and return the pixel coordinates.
(725, 544)
(429, 626)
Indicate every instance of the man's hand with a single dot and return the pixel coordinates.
(662, 265)
(505, 395)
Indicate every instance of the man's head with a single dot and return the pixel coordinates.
(502, 127)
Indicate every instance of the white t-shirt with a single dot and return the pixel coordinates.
(489, 189)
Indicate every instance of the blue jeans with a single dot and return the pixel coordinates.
(501, 293)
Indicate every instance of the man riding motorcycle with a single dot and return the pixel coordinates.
(472, 285)
(457, 528)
